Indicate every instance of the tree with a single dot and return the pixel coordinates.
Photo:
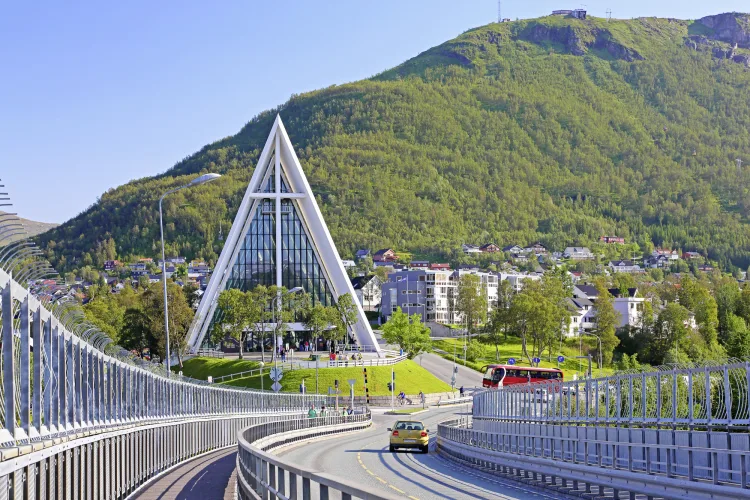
(235, 314)
(347, 312)
(317, 320)
(501, 319)
(408, 333)
(180, 317)
(670, 331)
(474, 350)
(285, 307)
(738, 341)
(540, 315)
(136, 334)
(472, 300)
(607, 320)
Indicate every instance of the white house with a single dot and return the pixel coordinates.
(368, 291)
(470, 249)
(348, 263)
(629, 305)
(624, 266)
(582, 316)
(578, 253)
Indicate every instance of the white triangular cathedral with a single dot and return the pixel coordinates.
(279, 206)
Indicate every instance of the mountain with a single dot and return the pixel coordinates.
(556, 129)
(33, 228)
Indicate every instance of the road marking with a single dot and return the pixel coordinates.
(413, 498)
(370, 472)
(394, 488)
(381, 480)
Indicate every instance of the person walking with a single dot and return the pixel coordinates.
(311, 413)
(461, 391)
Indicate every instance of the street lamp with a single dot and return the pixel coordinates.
(597, 337)
(195, 182)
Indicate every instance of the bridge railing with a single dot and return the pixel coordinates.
(62, 377)
(261, 474)
(703, 396)
(663, 463)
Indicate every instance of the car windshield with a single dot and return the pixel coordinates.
(409, 426)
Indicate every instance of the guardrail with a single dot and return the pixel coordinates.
(261, 474)
(254, 371)
(209, 353)
(395, 359)
(679, 397)
(662, 463)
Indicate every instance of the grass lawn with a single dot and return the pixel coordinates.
(410, 378)
(407, 411)
(512, 349)
(201, 368)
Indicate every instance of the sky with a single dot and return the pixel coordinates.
(95, 94)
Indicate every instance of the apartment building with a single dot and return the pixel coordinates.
(433, 293)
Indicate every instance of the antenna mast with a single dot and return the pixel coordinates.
(499, 12)
(609, 15)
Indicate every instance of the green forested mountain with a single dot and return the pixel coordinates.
(554, 129)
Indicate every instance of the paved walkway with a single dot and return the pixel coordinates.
(209, 477)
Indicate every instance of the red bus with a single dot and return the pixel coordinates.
(502, 375)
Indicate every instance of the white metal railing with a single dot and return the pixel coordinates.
(701, 396)
(261, 474)
(655, 462)
(61, 375)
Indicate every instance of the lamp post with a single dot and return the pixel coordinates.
(274, 306)
(597, 337)
(195, 182)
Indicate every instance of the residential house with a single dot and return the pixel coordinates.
(582, 316)
(199, 268)
(490, 248)
(624, 266)
(536, 249)
(513, 249)
(440, 267)
(419, 264)
(173, 260)
(691, 255)
(146, 260)
(706, 268)
(137, 267)
(612, 239)
(111, 265)
(361, 254)
(659, 262)
(385, 255)
(669, 254)
(348, 264)
(629, 305)
(470, 249)
(578, 253)
(368, 291)
(585, 292)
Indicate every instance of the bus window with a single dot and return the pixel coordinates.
(488, 374)
(497, 376)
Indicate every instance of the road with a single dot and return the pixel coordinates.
(443, 369)
(363, 458)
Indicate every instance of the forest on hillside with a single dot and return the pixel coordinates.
(553, 130)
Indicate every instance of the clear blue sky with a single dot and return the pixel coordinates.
(94, 94)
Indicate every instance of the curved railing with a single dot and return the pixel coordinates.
(261, 474)
(708, 396)
(76, 405)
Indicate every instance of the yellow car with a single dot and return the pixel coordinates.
(409, 434)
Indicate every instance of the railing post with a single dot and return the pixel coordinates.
(9, 365)
(306, 488)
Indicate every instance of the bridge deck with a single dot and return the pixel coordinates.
(208, 477)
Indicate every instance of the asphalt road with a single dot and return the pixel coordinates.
(363, 458)
(443, 369)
